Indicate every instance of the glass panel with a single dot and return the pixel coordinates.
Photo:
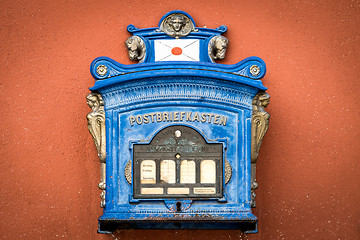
(208, 171)
(204, 190)
(152, 191)
(178, 190)
(168, 171)
(148, 172)
(187, 172)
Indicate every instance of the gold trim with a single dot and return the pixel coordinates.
(228, 172)
(127, 172)
(96, 126)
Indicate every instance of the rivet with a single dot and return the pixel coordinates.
(255, 70)
(101, 70)
(177, 133)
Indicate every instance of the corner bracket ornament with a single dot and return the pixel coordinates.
(259, 127)
(96, 126)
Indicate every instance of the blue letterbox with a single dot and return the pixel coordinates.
(177, 134)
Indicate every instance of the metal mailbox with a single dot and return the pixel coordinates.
(177, 134)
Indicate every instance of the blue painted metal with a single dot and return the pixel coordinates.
(166, 87)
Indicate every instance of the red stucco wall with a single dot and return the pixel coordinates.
(308, 169)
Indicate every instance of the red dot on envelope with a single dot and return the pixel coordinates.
(176, 51)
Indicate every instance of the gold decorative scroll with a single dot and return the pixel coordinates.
(259, 126)
(96, 126)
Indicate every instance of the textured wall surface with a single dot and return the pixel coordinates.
(308, 168)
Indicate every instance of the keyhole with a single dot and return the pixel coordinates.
(178, 206)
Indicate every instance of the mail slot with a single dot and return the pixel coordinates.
(178, 135)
